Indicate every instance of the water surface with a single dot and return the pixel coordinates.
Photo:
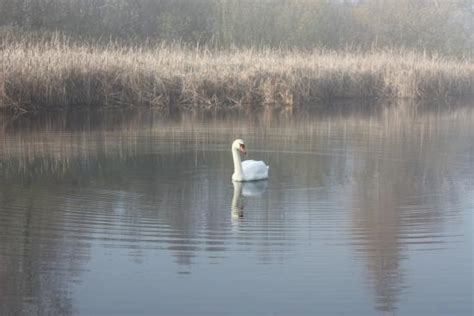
(132, 214)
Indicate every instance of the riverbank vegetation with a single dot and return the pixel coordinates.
(231, 55)
(57, 74)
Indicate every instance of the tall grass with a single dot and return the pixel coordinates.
(50, 74)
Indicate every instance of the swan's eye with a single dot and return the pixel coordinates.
(242, 146)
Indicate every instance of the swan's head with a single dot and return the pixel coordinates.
(239, 145)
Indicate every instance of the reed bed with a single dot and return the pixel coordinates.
(57, 74)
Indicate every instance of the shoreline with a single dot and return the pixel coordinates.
(38, 77)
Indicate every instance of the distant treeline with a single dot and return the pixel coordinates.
(444, 26)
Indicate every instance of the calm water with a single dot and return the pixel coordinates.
(130, 214)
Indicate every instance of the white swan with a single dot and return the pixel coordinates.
(248, 170)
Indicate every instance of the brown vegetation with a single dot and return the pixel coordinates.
(57, 74)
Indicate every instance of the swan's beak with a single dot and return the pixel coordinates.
(242, 149)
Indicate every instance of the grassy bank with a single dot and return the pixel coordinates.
(57, 74)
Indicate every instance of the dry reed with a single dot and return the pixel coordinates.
(41, 75)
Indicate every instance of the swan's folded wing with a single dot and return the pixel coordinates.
(254, 169)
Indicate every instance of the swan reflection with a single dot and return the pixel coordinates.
(245, 189)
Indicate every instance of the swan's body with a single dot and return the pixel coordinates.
(248, 170)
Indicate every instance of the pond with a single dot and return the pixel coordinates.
(129, 213)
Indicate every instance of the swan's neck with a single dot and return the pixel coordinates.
(238, 174)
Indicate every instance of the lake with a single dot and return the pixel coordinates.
(130, 213)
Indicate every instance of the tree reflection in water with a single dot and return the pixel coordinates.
(144, 184)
